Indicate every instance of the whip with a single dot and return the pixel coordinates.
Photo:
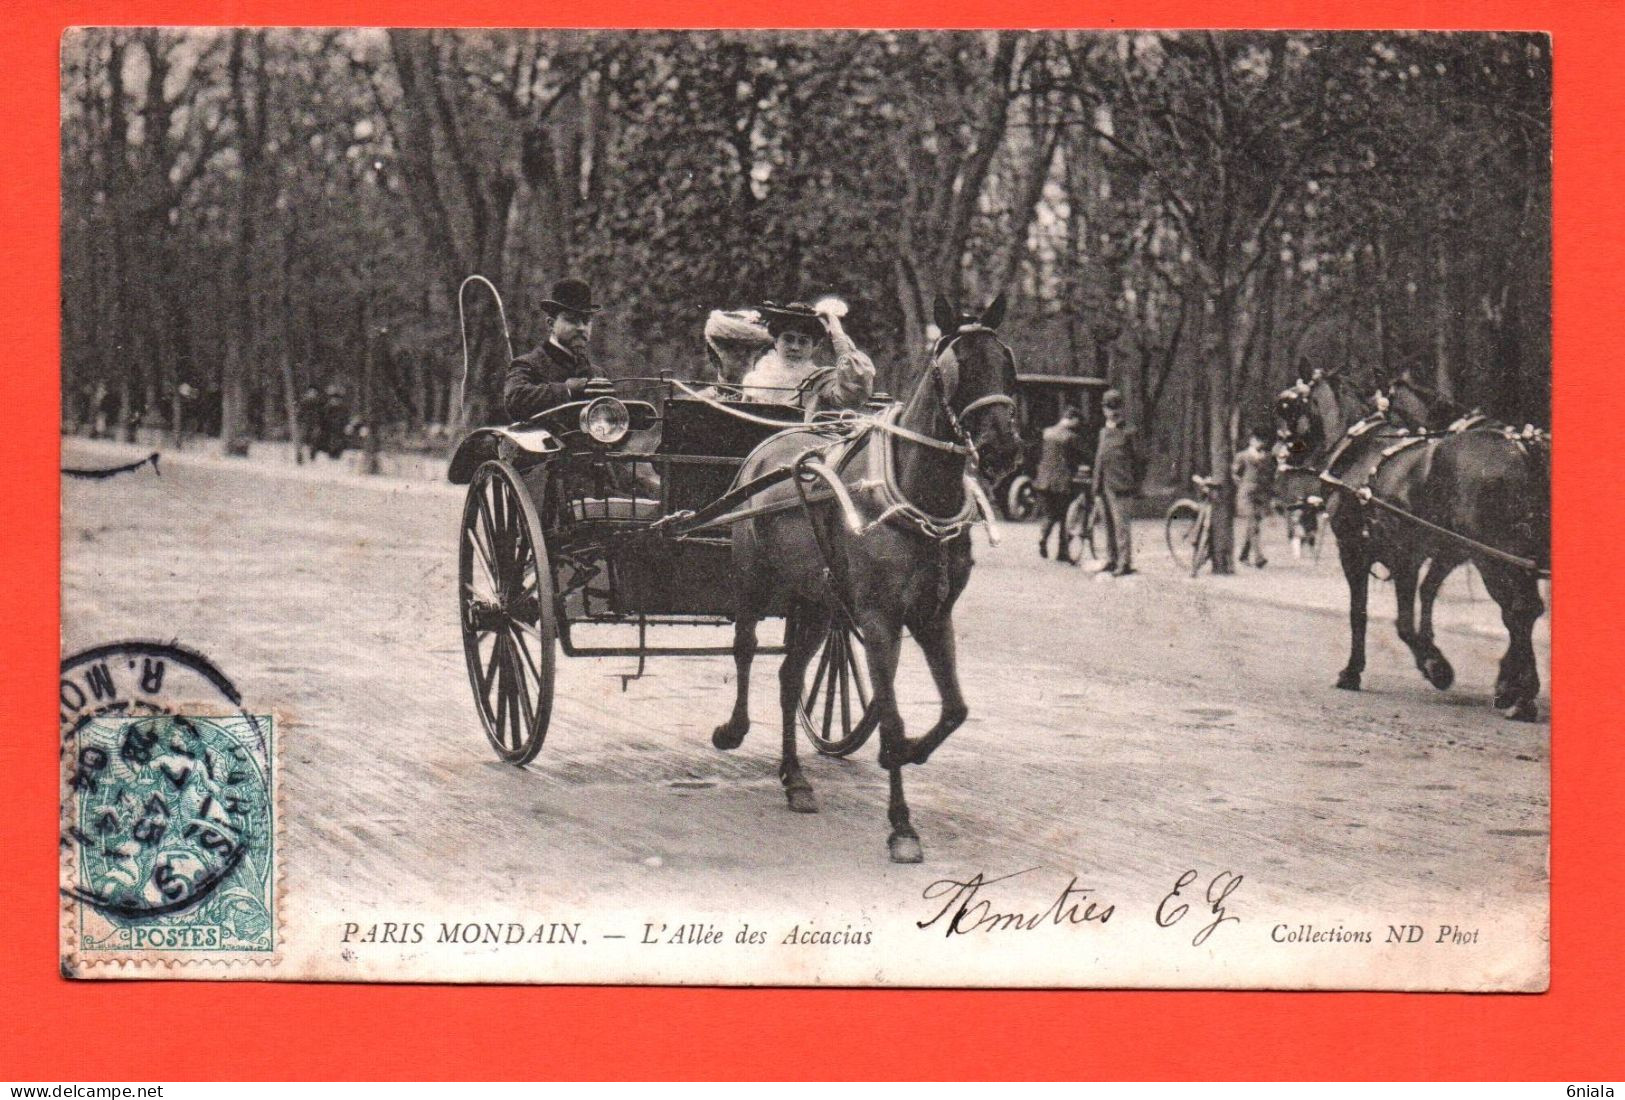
(462, 324)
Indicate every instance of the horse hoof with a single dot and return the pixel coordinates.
(905, 849)
(1522, 711)
(1348, 681)
(801, 800)
(1504, 698)
(728, 736)
(1438, 672)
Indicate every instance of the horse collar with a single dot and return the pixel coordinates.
(895, 505)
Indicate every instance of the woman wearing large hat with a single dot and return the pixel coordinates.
(791, 371)
(559, 370)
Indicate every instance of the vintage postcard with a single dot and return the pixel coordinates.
(860, 508)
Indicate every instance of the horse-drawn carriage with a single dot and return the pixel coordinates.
(583, 518)
(653, 504)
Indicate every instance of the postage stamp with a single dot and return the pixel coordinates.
(168, 838)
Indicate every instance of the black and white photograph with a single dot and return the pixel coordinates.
(1042, 509)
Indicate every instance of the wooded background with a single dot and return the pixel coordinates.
(1195, 216)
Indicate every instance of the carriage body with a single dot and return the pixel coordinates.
(564, 533)
(597, 502)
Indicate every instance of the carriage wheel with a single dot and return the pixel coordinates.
(835, 709)
(1186, 541)
(506, 601)
(1020, 500)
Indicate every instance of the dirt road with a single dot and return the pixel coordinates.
(1122, 732)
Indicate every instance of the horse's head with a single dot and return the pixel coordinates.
(974, 373)
(1309, 416)
(1418, 406)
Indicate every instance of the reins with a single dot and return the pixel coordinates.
(853, 426)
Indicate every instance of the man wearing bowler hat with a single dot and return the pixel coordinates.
(558, 371)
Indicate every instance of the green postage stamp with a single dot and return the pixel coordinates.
(168, 839)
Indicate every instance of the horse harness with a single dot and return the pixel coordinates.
(828, 462)
(1527, 440)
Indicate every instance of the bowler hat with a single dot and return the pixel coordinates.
(795, 317)
(572, 295)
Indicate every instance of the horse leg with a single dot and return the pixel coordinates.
(1357, 571)
(881, 642)
(904, 843)
(1530, 608)
(1405, 576)
(936, 639)
(801, 641)
(1518, 683)
(1434, 665)
(731, 733)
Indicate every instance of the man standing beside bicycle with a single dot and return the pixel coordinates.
(1118, 467)
(1062, 450)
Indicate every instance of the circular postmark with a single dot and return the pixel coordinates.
(166, 792)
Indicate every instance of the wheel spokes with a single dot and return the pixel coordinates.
(829, 692)
(859, 677)
(499, 708)
(522, 689)
(486, 547)
(492, 524)
(518, 633)
(810, 700)
(516, 694)
(843, 666)
(513, 521)
(488, 679)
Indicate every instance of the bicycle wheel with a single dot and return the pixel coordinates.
(1086, 521)
(1204, 541)
(1020, 500)
(1183, 529)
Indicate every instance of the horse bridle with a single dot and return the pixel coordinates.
(957, 421)
(1292, 406)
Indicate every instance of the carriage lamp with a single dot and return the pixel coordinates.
(605, 419)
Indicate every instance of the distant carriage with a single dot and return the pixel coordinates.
(1039, 400)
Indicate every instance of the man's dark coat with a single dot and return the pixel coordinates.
(1118, 460)
(536, 381)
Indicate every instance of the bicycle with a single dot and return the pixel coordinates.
(1189, 526)
(1085, 519)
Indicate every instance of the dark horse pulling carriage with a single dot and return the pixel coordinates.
(1422, 501)
(677, 508)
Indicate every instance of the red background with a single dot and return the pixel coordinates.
(54, 1029)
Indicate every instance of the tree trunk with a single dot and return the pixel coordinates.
(290, 384)
(369, 392)
(234, 386)
(1221, 414)
(1443, 380)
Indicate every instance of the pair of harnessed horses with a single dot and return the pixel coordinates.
(1422, 502)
